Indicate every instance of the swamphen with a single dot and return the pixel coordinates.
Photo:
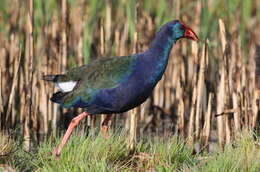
(116, 84)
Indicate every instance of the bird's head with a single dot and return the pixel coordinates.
(180, 30)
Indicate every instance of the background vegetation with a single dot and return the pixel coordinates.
(219, 76)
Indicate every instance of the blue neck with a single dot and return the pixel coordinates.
(156, 57)
(160, 48)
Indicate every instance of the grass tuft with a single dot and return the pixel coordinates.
(94, 153)
(242, 155)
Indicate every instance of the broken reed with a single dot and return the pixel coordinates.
(199, 84)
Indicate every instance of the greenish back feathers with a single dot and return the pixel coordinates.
(101, 74)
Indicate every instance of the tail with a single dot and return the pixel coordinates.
(59, 97)
(51, 78)
(54, 78)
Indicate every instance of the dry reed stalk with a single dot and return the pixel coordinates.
(80, 49)
(194, 62)
(133, 126)
(124, 37)
(117, 41)
(201, 87)
(133, 120)
(29, 79)
(17, 57)
(80, 57)
(207, 124)
(228, 130)
(2, 117)
(220, 108)
(226, 65)
(63, 35)
(144, 111)
(37, 117)
(232, 69)
(4, 90)
(180, 123)
(192, 116)
(160, 103)
(236, 105)
(43, 95)
(102, 40)
(245, 105)
(1, 98)
(221, 95)
(102, 52)
(243, 93)
(53, 110)
(255, 109)
(207, 105)
(14, 56)
(167, 89)
(222, 33)
(108, 26)
(75, 28)
(159, 93)
(175, 72)
(62, 53)
(252, 69)
(22, 98)
(43, 109)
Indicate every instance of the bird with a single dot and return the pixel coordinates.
(116, 84)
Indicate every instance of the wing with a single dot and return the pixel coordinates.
(98, 75)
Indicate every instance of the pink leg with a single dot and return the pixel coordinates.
(75, 121)
(105, 126)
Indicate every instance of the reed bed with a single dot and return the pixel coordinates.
(209, 93)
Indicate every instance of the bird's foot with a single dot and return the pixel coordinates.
(56, 152)
(105, 131)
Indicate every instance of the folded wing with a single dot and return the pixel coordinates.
(78, 87)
